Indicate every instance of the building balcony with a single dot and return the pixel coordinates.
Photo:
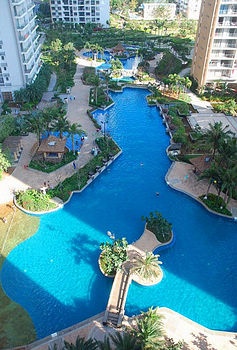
(19, 13)
(222, 55)
(30, 6)
(220, 66)
(17, 2)
(226, 35)
(26, 48)
(22, 26)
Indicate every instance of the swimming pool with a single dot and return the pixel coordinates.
(128, 63)
(54, 275)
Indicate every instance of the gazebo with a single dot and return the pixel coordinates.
(119, 48)
(52, 148)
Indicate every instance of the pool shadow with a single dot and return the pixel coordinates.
(59, 315)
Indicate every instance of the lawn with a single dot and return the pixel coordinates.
(16, 327)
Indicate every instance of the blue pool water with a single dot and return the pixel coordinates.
(106, 55)
(127, 62)
(54, 275)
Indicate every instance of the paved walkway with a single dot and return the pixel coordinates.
(23, 177)
(182, 178)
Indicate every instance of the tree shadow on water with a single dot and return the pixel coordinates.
(85, 249)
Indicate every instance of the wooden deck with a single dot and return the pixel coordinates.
(115, 308)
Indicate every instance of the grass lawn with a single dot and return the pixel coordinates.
(16, 327)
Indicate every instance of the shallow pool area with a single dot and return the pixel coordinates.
(55, 276)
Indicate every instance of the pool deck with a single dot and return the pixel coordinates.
(180, 177)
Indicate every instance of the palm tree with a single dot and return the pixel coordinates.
(61, 124)
(125, 341)
(49, 115)
(73, 130)
(148, 266)
(149, 330)
(227, 153)
(104, 345)
(215, 135)
(229, 182)
(81, 344)
(96, 83)
(34, 123)
(212, 174)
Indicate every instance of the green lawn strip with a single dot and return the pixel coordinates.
(16, 327)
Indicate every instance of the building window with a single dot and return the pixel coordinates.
(2, 57)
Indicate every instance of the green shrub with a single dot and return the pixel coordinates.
(34, 200)
(113, 255)
(161, 228)
(215, 203)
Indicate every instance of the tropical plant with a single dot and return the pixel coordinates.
(227, 153)
(4, 163)
(149, 330)
(34, 123)
(125, 341)
(147, 267)
(61, 124)
(212, 174)
(214, 136)
(34, 200)
(7, 126)
(229, 182)
(116, 68)
(74, 129)
(161, 228)
(81, 344)
(113, 255)
(50, 115)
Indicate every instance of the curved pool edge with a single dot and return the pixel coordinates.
(177, 327)
(195, 197)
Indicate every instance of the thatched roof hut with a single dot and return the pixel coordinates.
(52, 148)
(118, 48)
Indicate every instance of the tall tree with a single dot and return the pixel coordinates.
(215, 134)
(229, 182)
(74, 129)
(61, 124)
(34, 123)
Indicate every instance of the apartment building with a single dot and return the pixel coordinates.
(80, 11)
(189, 8)
(215, 52)
(19, 46)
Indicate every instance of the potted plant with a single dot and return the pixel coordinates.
(112, 256)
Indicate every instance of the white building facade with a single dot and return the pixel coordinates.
(215, 52)
(80, 11)
(189, 8)
(19, 47)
